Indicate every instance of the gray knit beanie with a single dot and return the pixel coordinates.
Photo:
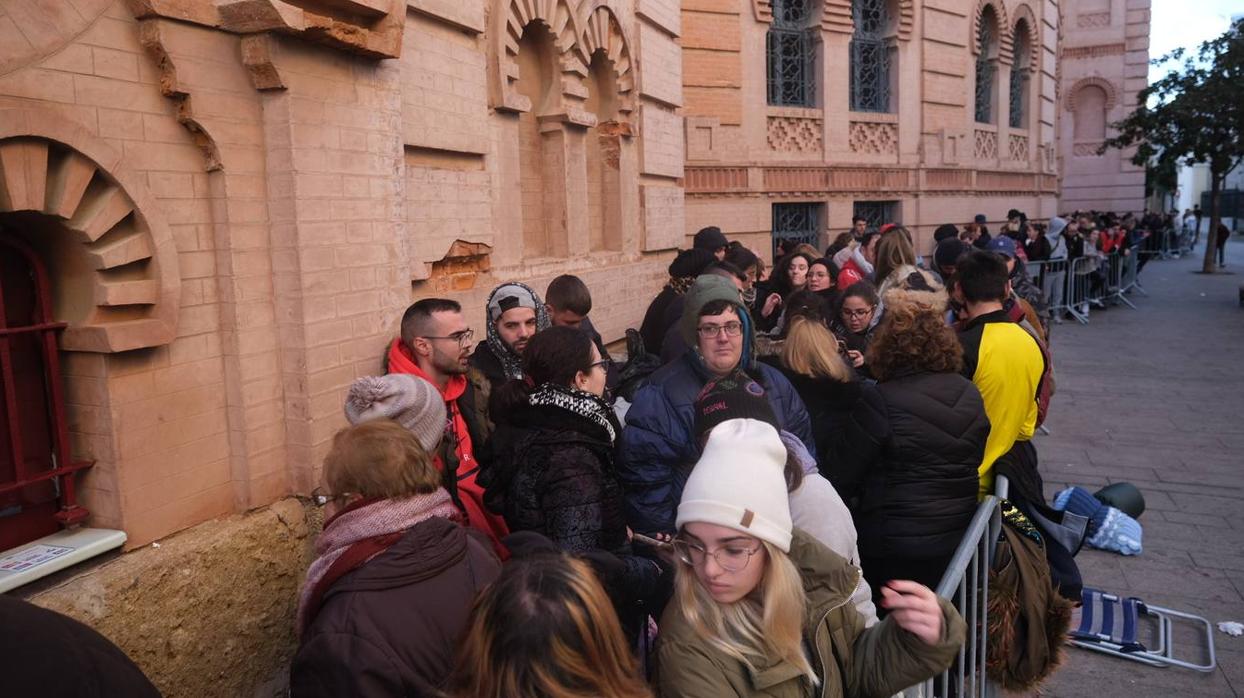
(412, 402)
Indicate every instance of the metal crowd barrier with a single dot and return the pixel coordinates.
(966, 585)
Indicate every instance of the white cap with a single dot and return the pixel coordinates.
(739, 482)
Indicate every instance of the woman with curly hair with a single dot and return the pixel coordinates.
(914, 441)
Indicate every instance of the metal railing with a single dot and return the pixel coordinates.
(966, 585)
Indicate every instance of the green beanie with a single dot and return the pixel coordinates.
(706, 289)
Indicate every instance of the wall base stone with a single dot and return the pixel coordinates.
(210, 611)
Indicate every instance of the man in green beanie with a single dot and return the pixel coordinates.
(658, 449)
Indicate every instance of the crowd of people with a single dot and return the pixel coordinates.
(758, 502)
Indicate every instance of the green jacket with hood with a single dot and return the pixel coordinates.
(850, 660)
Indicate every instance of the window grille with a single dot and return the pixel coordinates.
(791, 53)
(870, 56)
(798, 223)
(1019, 79)
(984, 72)
(37, 492)
(876, 213)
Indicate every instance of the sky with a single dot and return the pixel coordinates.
(1186, 23)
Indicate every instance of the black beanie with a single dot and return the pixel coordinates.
(735, 396)
(948, 252)
(944, 231)
(691, 263)
(710, 239)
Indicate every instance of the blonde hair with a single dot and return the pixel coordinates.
(379, 459)
(545, 627)
(753, 632)
(812, 350)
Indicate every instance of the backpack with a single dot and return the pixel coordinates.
(1028, 619)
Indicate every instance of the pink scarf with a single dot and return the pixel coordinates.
(358, 534)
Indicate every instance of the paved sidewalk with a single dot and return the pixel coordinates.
(1155, 397)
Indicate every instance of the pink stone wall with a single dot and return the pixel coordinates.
(1105, 47)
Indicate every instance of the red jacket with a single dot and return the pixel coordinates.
(470, 493)
(849, 274)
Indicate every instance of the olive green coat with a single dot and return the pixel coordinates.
(851, 661)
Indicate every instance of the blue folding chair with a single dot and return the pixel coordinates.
(1111, 625)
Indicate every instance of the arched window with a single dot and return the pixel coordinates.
(791, 54)
(986, 66)
(1020, 76)
(870, 56)
(1090, 113)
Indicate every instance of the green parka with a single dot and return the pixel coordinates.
(851, 661)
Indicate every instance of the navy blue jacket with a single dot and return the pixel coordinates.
(658, 448)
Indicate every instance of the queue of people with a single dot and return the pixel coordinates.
(768, 518)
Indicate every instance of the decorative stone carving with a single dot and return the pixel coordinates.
(1086, 149)
(1112, 95)
(836, 17)
(1030, 25)
(113, 249)
(1004, 37)
(715, 179)
(986, 145)
(572, 61)
(603, 32)
(795, 134)
(1077, 52)
(1018, 147)
(873, 138)
(1093, 20)
(151, 36)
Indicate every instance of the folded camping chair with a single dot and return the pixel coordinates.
(1111, 625)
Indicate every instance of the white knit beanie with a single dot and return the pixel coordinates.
(412, 402)
(739, 482)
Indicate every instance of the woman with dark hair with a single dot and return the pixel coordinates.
(822, 281)
(913, 444)
(853, 321)
(552, 469)
(752, 267)
(545, 628)
(790, 275)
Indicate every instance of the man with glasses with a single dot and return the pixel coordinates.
(658, 446)
(436, 346)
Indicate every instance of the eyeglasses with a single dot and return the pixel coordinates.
(860, 312)
(463, 338)
(603, 363)
(732, 329)
(731, 558)
(321, 498)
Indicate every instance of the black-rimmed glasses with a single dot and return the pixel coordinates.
(463, 338)
(732, 329)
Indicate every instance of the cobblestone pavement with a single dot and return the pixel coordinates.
(1155, 397)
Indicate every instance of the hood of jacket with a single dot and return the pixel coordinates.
(428, 548)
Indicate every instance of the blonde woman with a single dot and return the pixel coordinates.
(545, 629)
(813, 359)
(761, 608)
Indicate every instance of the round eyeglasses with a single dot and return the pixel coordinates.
(731, 558)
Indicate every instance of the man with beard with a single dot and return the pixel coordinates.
(435, 345)
(515, 315)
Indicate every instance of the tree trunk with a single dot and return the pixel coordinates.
(1215, 217)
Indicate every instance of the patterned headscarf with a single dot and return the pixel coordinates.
(505, 297)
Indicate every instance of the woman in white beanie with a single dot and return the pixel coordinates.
(762, 609)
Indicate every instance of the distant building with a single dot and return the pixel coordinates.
(1104, 65)
(802, 114)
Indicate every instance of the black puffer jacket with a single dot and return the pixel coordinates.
(914, 444)
(552, 473)
(829, 404)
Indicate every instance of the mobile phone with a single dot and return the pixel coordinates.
(641, 538)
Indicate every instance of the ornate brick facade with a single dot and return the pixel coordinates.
(1104, 64)
(926, 154)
